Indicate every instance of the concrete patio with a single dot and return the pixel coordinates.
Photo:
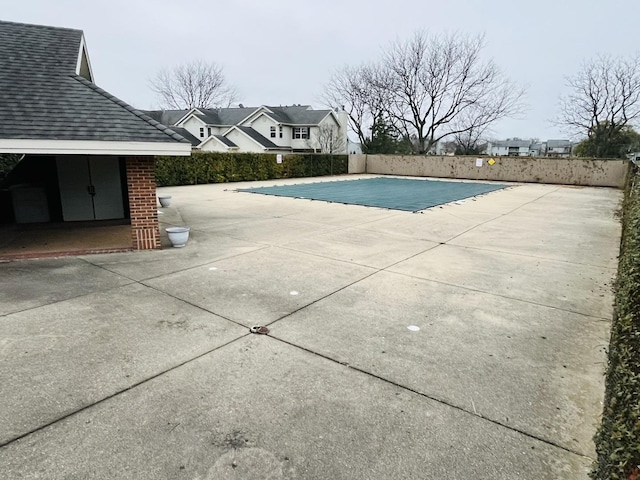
(140, 365)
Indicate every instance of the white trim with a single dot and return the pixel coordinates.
(186, 116)
(85, 52)
(266, 115)
(235, 127)
(256, 141)
(258, 110)
(335, 117)
(93, 147)
(213, 137)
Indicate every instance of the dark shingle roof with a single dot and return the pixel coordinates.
(226, 116)
(298, 115)
(226, 141)
(288, 115)
(511, 143)
(166, 117)
(558, 143)
(262, 140)
(195, 141)
(42, 98)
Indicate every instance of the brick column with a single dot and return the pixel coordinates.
(141, 185)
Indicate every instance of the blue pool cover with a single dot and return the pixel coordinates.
(394, 193)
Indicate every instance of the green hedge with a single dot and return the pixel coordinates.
(214, 167)
(618, 438)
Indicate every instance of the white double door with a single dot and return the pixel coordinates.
(90, 188)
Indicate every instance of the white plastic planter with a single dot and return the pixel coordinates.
(178, 236)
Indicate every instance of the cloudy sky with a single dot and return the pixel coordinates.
(282, 52)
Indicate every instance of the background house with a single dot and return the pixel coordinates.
(296, 128)
(532, 148)
(85, 156)
(512, 147)
(558, 148)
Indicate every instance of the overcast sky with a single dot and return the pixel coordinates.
(282, 52)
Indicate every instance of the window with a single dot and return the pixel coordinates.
(280, 131)
(301, 132)
(201, 132)
(273, 132)
(209, 131)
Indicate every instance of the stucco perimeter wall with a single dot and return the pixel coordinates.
(358, 163)
(573, 171)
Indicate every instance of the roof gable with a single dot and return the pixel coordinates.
(193, 112)
(83, 66)
(255, 136)
(220, 139)
(267, 115)
(254, 115)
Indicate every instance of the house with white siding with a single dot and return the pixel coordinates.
(515, 147)
(512, 147)
(559, 148)
(264, 129)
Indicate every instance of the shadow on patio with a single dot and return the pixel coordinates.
(60, 239)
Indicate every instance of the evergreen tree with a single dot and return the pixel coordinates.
(607, 142)
(385, 139)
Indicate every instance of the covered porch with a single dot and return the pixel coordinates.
(19, 241)
(78, 204)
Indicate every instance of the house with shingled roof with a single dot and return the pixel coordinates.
(85, 155)
(559, 148)
(264, 129)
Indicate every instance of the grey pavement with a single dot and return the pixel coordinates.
(140, 365)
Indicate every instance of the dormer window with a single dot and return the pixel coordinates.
(280, 128)
(201, 132)
(273, 132)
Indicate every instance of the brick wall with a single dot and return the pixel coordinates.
(141, 185)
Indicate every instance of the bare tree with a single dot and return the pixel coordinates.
(604, 99)
(330, 140)
(353, 89)
(193, 85)
(428, 88)
(470, 140)
(439, 86)
(472, 126)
